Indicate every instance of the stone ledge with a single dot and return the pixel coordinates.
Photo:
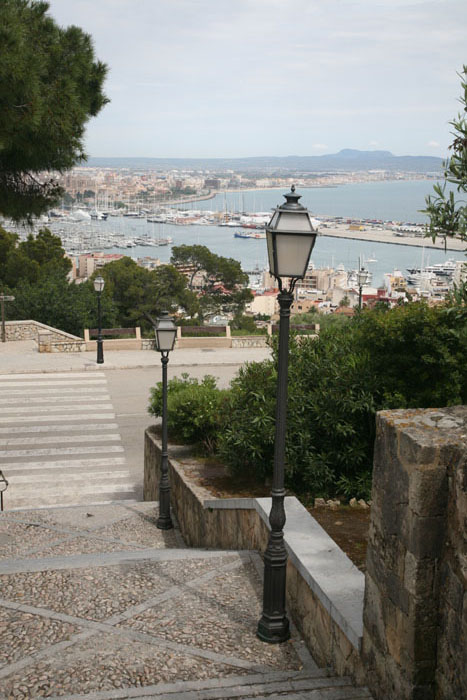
(331, 584)
(331, 575)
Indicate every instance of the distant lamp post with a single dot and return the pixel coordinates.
(165, 331)
(290, 238)
(3, 487)
(362, 280)
(99, 283)
(3, 299)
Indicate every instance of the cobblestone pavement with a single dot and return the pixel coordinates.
(96, 602)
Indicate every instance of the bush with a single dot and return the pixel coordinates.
(330, 416)
(416, 353)
(246, 444)
(411, 356)
(193, 410)
(245, 325)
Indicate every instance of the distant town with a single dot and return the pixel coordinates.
(168, 197)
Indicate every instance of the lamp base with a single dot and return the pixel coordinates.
(164, 522)
(273, 630)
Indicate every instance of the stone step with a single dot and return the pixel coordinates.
(302, 686)
(75, 497)
(50, 479)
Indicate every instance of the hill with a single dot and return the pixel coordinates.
(345, 161)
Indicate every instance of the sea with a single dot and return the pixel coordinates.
(399, 200)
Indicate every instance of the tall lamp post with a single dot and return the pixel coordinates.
(362, 279)
(290, 238)
(99, 283)
(165, 331)
(3, 487)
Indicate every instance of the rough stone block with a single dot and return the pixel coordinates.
(428, 491)
(420, 576)
(414, 622)
(426, 536)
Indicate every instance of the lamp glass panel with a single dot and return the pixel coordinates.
(99, 284)
(293, 222)
(165, 339)
(362, 277)
(293, 254)
(273, 222)
(270, 242)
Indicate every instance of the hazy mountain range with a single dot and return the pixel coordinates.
(346, 160)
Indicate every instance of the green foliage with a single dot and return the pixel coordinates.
(36, 272)
(140, 294)
(224, 283)
(30, 260)
(246, 443)
(355, 487)
(56, 302)
(447, 214)
(193, 409)
(245, 325)
(324, 320)
(50, 85)
(415, 353)
(410, 356)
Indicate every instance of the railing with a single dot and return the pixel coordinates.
(114, 332)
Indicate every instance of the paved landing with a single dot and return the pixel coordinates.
(96, 602)
(59, 441)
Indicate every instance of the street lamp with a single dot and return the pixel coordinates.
(362, 279)
(290, 238)
(99, 283)
(165, 332)
(3, 487)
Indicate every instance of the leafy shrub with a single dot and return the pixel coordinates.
(193, 409)
(246, 443)
(410, 356)
(245, 325)
(416, 353)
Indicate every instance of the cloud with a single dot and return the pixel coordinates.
(200, 75)
(433, 144)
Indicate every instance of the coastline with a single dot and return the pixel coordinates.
(388, 236)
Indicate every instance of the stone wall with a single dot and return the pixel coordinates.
(250, 341)
(324, 588)
(415, 611)
(51, 342)
(48, 339)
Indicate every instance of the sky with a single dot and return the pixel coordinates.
(237, 78)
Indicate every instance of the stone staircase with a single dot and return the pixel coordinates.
(96, 602)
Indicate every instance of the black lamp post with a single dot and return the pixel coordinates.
(99, 283)
(165, 331)
(3, 487)
(290, 238)
(362, 279)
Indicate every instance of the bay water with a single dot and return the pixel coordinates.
(398, 200)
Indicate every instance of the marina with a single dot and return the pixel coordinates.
(233, 226)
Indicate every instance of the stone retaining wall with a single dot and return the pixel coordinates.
(49, 342)
(250, 341)
(415, 612)
(324, 588)
(48, 339)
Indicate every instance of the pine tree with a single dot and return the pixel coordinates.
(50, 85)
